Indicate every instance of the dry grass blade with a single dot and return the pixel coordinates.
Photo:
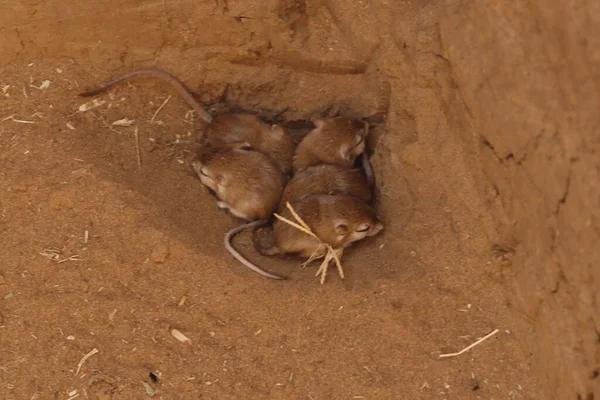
(469, 347)
(314, 256)
(88, 355)
(323, 267)
(297, 226)
(331, 253)
(337, 255)
(74, 257)
(160, 108)
(300, 220)
(137, 147)
(20, 121)
(53, 254)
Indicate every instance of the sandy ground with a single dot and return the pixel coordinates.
(488, 209)
(133, 241)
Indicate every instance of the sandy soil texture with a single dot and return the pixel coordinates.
(485, 146)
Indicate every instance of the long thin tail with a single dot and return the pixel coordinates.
(157, 73)
(239, 257)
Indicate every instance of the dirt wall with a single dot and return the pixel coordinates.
(529, 75)
(489, 150)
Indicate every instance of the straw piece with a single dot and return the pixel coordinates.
(331, 254)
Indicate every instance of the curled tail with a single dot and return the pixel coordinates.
(239, 257)
(156, 73)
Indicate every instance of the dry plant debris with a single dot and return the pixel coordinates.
(20, 121)
(54, 254)
(84, 358)
(149, 390)
(160, 108)
(331, 254)
(137, 147)
(179, 336)
(125, 122)
(91, 104)
(469, 347)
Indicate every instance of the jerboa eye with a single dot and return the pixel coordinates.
(363, 228)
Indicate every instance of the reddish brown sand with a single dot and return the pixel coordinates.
(488, 184)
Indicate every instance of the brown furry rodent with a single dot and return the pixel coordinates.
(334, 141)
(225, 128)
(338, 220)
(247, 182)
(323, 179)
(272, 140)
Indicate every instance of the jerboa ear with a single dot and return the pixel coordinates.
(241, 145)
(340, 227)
(277, 129)
(345, 152)
(221, 180)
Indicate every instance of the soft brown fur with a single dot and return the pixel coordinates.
(326, 178)
(247, 182)
(226, 128)
(338, 220)
(333, 141)
(272, 140)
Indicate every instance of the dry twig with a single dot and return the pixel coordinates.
(20, 121)
(137, 147)
(53, 254)
(88, 355)
(469, 347)
(160, 108)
